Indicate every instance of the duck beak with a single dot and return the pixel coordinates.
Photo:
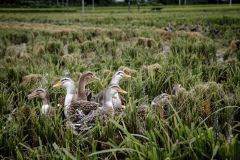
(32, 95)
(122, 91)
(95, 77)
(126, 75)
(58, 84)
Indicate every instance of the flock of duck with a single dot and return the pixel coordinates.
(83, 109)
(186, 27)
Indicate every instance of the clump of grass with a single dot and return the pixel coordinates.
(127, 70)
(72, 47)
(18, 37)
(194, 50)
(197, 122)
(233, 50)
(54, 47)
(209, 93)
(165, 35)
(31, 79)
(153, 67)
(107, 43)
(207, 101)
(231, 61)
(106, 72)
(117, 34)
(146, 42)
(18, 51)
(79, 37)
(62, 32)
(87, 45)
(96, 31)
(69, 58)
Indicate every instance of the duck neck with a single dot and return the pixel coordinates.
(115, 80)
(81, 88)
(69, 97)
(117, 101)
(107, 104)
(71, 89)
(67, 103)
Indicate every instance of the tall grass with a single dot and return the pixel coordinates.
(200, 121)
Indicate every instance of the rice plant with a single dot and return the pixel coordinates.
(201, 122)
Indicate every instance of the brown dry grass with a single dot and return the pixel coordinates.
(235, 45)
(31, 79)
(127, 70)
(36, 27)
(153, 67)
(71, 57)
(146, 42)
(188, 34)
(166, 35)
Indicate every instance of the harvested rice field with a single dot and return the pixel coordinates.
(179, 67)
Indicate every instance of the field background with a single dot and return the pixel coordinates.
(40, 46)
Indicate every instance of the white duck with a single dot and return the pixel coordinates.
(71, 93)
(117, 101)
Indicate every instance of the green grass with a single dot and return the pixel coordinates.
(67, 44)
(133, 9)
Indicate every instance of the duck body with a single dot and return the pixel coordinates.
(76, 105)
(82, 94)
(103, 113)
(160, 100)
(183, 27)
(169, 28)
(82, 106)
(160, 104)
(196, 28)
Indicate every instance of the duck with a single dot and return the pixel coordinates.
(77, 106)
(176, 89)
(118, 101)
(68, 83)
(207, 27)
(169, 28)
(104, 112)
(183, 27)
(164, 97)
(82, 94)
(196, 28)
(160, 102)
(43, 94)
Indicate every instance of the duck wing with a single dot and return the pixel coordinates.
(85, 106)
